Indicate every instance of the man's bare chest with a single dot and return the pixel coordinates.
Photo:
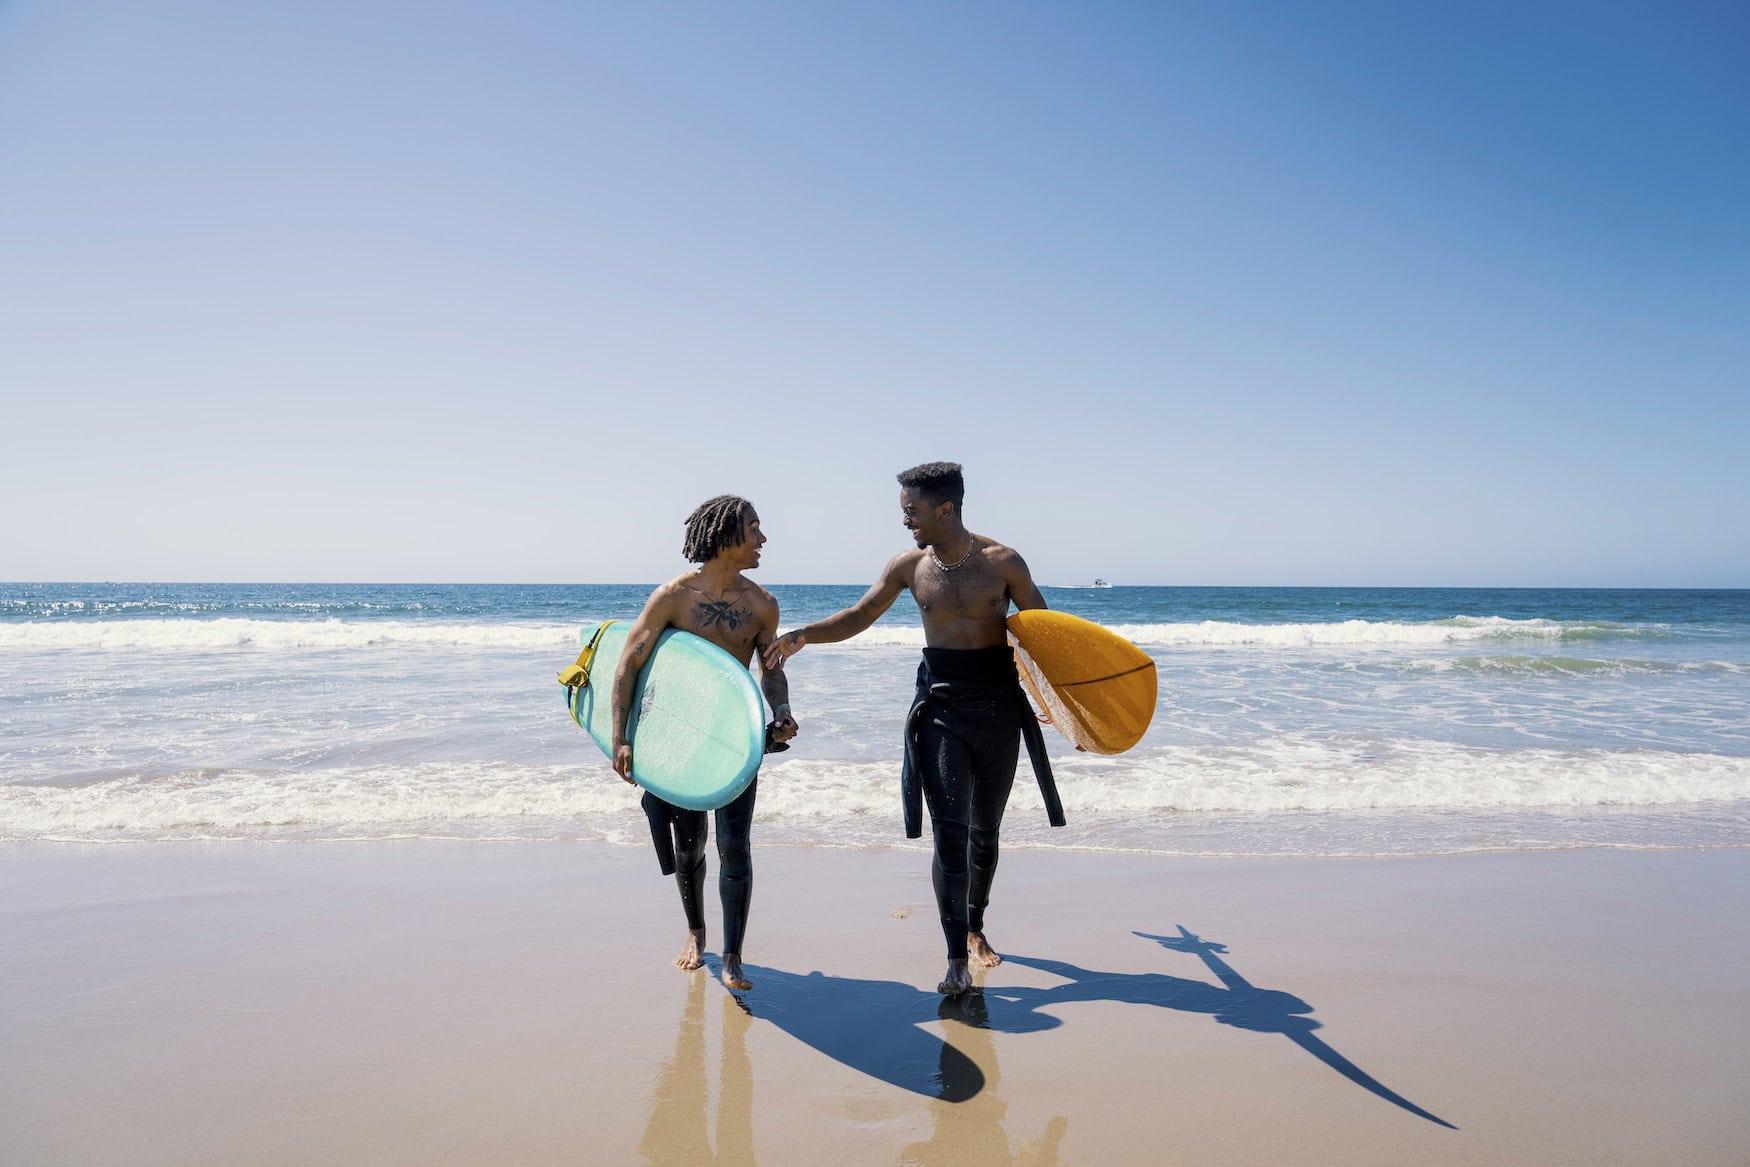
(955, 596)
(730, 623)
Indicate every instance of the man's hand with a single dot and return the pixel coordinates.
(784, 728)
(623, 762)
(782, 649)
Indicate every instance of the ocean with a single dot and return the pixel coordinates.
(1292, 721)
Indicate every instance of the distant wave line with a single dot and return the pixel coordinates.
(334, 633)
(238, 633)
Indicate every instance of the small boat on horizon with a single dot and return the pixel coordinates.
(1100, 583)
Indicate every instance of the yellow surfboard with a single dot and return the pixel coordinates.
(1097, 687)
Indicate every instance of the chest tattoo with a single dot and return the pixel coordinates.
(722, 612)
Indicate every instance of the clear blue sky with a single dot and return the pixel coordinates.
(1203, 293)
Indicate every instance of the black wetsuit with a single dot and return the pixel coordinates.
(962, 742)
(680, 835)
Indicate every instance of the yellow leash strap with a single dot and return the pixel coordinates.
(577, 676)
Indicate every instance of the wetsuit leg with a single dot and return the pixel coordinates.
(735, 866)
(689, 863)
(945, 773)
(994, 776)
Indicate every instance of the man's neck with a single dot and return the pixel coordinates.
(954, 541)
(719, 578)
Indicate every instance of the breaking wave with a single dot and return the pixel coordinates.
(816, 802)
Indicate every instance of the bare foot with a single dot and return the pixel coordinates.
(957, 981)
(979, 949)
(732, 975)
(693, 955)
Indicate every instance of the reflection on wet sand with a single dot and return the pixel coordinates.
(676, 1132)
(969, 1132)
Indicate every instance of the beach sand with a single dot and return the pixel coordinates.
(428, 1003)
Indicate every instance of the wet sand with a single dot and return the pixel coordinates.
(451, 1003)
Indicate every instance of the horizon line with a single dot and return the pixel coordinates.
(853, 584)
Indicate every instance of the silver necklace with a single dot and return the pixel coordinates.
(958, 562)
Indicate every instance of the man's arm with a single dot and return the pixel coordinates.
(846, 623)
(1022, 590)
(773, 682)
(640, 641)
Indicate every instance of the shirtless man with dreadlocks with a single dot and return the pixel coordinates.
(715, 601)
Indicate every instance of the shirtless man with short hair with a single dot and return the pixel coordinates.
(962, 739)
(715, 601)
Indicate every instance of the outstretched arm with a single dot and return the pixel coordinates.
(846, 623)
(640, 642)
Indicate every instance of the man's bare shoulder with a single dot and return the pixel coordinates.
(666, 595)
(679, 585)
(904, 566)
(693, 583)
(1007, 563)
(760, 599)
(999, 553)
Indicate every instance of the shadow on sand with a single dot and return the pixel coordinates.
(1238, 1003)
(871, 1026)
(875, 1026)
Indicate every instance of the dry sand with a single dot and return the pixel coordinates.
(450, 1003)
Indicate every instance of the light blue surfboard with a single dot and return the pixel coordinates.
(697, 724)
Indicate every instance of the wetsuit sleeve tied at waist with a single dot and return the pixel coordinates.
(911, 792)
(660, 815)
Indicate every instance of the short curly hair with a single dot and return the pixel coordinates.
(937, 481)
(715, 524)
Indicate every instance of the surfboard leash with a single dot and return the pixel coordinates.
(577, 676)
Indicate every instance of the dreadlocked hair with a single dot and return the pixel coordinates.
(714, 525)
(937, 481)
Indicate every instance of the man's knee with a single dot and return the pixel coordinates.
(951, 846)
(689, 854)
(735, 857)
(984, 848)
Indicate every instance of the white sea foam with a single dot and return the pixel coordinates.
(234, 633)
(426, 800)
(817, 802)
(1458, 630)
(1303, 775)
(1226, 634)
(1573, 666)
(237, 633)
